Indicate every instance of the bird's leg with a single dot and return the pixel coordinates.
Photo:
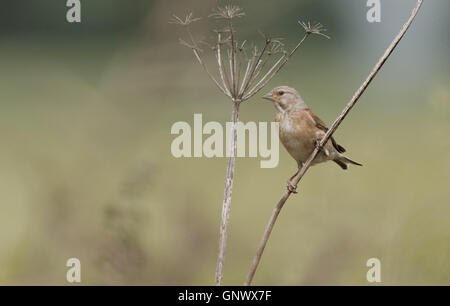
(317, 141)
(290, 185)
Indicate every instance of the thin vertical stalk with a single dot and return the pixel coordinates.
(226, 83)
(232, 60)
(226, 205)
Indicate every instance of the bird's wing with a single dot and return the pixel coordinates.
(321, 125)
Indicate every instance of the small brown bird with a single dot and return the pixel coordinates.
(301, 131)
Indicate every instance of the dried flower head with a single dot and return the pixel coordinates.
(187, 20)
(227, 12)
(276, 46)
(316, 28)
(243, 68)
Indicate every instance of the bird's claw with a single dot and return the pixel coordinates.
(317, 144)
(291, 187)
(320, 147)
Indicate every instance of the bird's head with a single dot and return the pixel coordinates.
(285, 99)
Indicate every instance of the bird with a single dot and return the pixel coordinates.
(301, 131)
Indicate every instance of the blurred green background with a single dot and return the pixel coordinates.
(86, 169)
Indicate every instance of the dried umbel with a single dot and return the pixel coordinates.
(242, 71)
(228, 12)
(316, 28)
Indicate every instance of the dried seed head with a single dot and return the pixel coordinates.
(317, 28)
(227, 12)
(275, 47)
(187, 20)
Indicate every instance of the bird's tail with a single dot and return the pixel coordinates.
(342, 161)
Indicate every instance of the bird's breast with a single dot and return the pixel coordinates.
(295, 134)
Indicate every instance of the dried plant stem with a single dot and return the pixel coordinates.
(274, 70)
(253, 69)
(195, 49)
(233, 59)
(225, 82)
(244, 80)
(199, 59)
(330, 132)
(227, 193)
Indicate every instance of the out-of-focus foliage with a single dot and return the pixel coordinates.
(86, 169)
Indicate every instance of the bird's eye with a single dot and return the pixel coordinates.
(281, 93)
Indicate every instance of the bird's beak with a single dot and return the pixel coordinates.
(268, 96)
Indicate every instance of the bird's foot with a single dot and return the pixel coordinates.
(317, 144)
(291, 187)
(321, 148)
